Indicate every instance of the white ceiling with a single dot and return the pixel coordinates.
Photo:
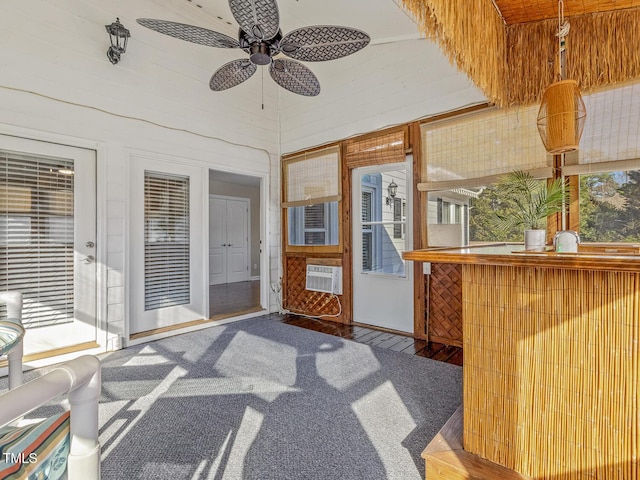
(383, 20)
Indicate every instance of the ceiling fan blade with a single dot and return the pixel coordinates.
(295, 77)
(258, 18)
(232, 74)
(190, 33)
(323, 42)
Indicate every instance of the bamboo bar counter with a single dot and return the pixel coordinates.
(551, 365)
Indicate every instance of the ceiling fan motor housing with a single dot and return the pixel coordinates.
(260, 53)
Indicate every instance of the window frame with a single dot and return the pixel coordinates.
(299, 156)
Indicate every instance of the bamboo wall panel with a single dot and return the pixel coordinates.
(552, 367)
(299, 300)
(445, 303)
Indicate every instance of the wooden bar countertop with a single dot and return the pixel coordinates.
(603, 257)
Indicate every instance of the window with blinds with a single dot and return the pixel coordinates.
(37, 236)
(312, 190)
(367, 232)
(397, 217)
(166, 240)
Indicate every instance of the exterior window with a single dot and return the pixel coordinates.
(313, 224)
(466, 215)
(610, 207)
(397, 217)
(367, 232)
(383, 224)
(448, 216)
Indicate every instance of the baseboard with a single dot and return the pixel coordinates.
(257, 277)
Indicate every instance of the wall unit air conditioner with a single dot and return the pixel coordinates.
(321, 278)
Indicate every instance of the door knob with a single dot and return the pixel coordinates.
(89, 259)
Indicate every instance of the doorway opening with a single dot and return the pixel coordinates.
(234, 244)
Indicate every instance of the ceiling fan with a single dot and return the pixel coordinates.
(260, 36)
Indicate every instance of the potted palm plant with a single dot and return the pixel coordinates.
(533, 201)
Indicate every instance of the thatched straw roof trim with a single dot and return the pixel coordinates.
(471, 34)
(512, 65)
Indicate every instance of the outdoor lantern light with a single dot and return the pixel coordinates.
(119, 36)
(392, 190)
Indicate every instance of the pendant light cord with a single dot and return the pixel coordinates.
(563, 31)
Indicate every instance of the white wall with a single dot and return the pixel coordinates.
(388, 84)
(57, 84)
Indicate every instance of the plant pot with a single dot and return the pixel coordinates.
(535, 240)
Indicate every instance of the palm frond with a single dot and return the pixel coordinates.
(533, 200)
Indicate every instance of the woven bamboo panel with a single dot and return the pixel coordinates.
(376, 150)
(299, 300)
(445, 303)
(552, 371)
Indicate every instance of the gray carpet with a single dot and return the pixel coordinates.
(259, 399)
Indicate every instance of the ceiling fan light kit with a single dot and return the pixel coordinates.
(260, 37)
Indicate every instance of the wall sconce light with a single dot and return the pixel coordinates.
(119, 36)
(392, 190)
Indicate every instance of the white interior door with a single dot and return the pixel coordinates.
(48, 236)
(382, 280)
(217, 241)
(228, 240)
(237, 240)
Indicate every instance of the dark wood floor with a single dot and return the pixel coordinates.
(382, 339)
(230, 299)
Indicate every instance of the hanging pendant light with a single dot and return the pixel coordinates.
(562, 112)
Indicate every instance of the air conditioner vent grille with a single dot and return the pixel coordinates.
(321, 278)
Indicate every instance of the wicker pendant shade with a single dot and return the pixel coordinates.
(561, 117)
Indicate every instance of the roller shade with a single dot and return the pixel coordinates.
(312, 178)
(166, 240)
(378, 149)
(466, 150)
(612, 129)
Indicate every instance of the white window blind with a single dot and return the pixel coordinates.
(37, 235)
(166, 237)
(312, 178)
